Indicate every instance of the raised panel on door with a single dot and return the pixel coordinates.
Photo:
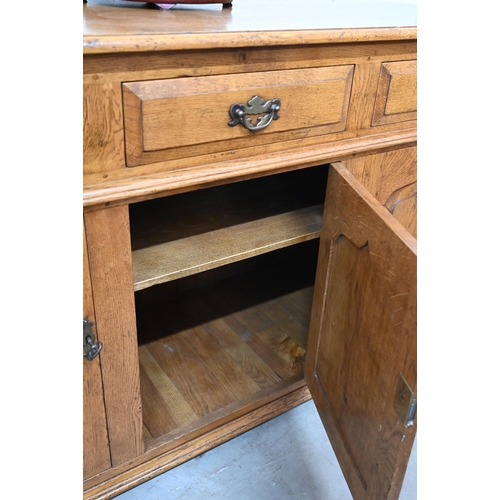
(362, 339)
(96, 454)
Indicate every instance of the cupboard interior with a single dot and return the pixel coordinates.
(224, 279)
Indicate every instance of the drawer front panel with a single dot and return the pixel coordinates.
(396, 99)
(168, 119)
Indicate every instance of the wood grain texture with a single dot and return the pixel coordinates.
(392, 178)
(119, 187)
(96, 454)
(262, 338)
(402, 204)
(239, 351)
(111, 70)
(103, 138)
(127, 67)
(364, 89)
(155, 462)
(205, 210)
(363, 334)
(184, 117)
(111, 29)
(178, 236)
(397, 93)
(145, 43)
(179, 258)
(110, 260)
(210, 351)
(165, 407)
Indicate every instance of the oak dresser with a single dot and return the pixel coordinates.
(249, 222)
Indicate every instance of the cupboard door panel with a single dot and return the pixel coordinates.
(110, 260)
(96, 455)
(362, 338)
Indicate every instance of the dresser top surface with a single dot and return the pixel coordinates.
(122, 26)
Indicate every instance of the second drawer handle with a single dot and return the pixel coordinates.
(256, 106)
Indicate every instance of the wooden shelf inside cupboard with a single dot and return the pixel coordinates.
(185, 234)
(210, 352)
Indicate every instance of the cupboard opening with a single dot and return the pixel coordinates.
(223, 282)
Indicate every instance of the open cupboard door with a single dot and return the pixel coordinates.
(361, 364)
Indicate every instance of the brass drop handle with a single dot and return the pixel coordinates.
(90, 346)
(256, 106)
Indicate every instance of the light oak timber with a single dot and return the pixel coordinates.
(103, 140)
(158, 417)
(289, 324)
(108, 236)
(222, 416)
(405, 211)
(196, 374)
(185, 117)
(306, 252)
(154, 462)
(117, 26)
(368, 258)
(397, 93)
(122, 187)
(400, 195)
(129, 47)
(321, 142)
(258, 330)
(233, 345)
(173, 404)
(113, 68)
(392, 178)
(280, 345)
(243, 153)
(290, 310)
(204, 210)
(146, 43)
(181, 338)
(384, 173)
(182, 235)
(364, 89)
(96, 454)
(191, 255)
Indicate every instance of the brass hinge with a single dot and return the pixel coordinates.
(405, 403)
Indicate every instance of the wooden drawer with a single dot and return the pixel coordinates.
(184, 117)
(396, 99)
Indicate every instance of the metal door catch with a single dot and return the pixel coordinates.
(405, 403)
(90, 346)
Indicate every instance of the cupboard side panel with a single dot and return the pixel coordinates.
(391, 177)
(110, 257)
(96, 454)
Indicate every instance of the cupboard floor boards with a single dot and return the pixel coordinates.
(225, 346)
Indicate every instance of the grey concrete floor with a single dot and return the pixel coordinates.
(287, 458)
